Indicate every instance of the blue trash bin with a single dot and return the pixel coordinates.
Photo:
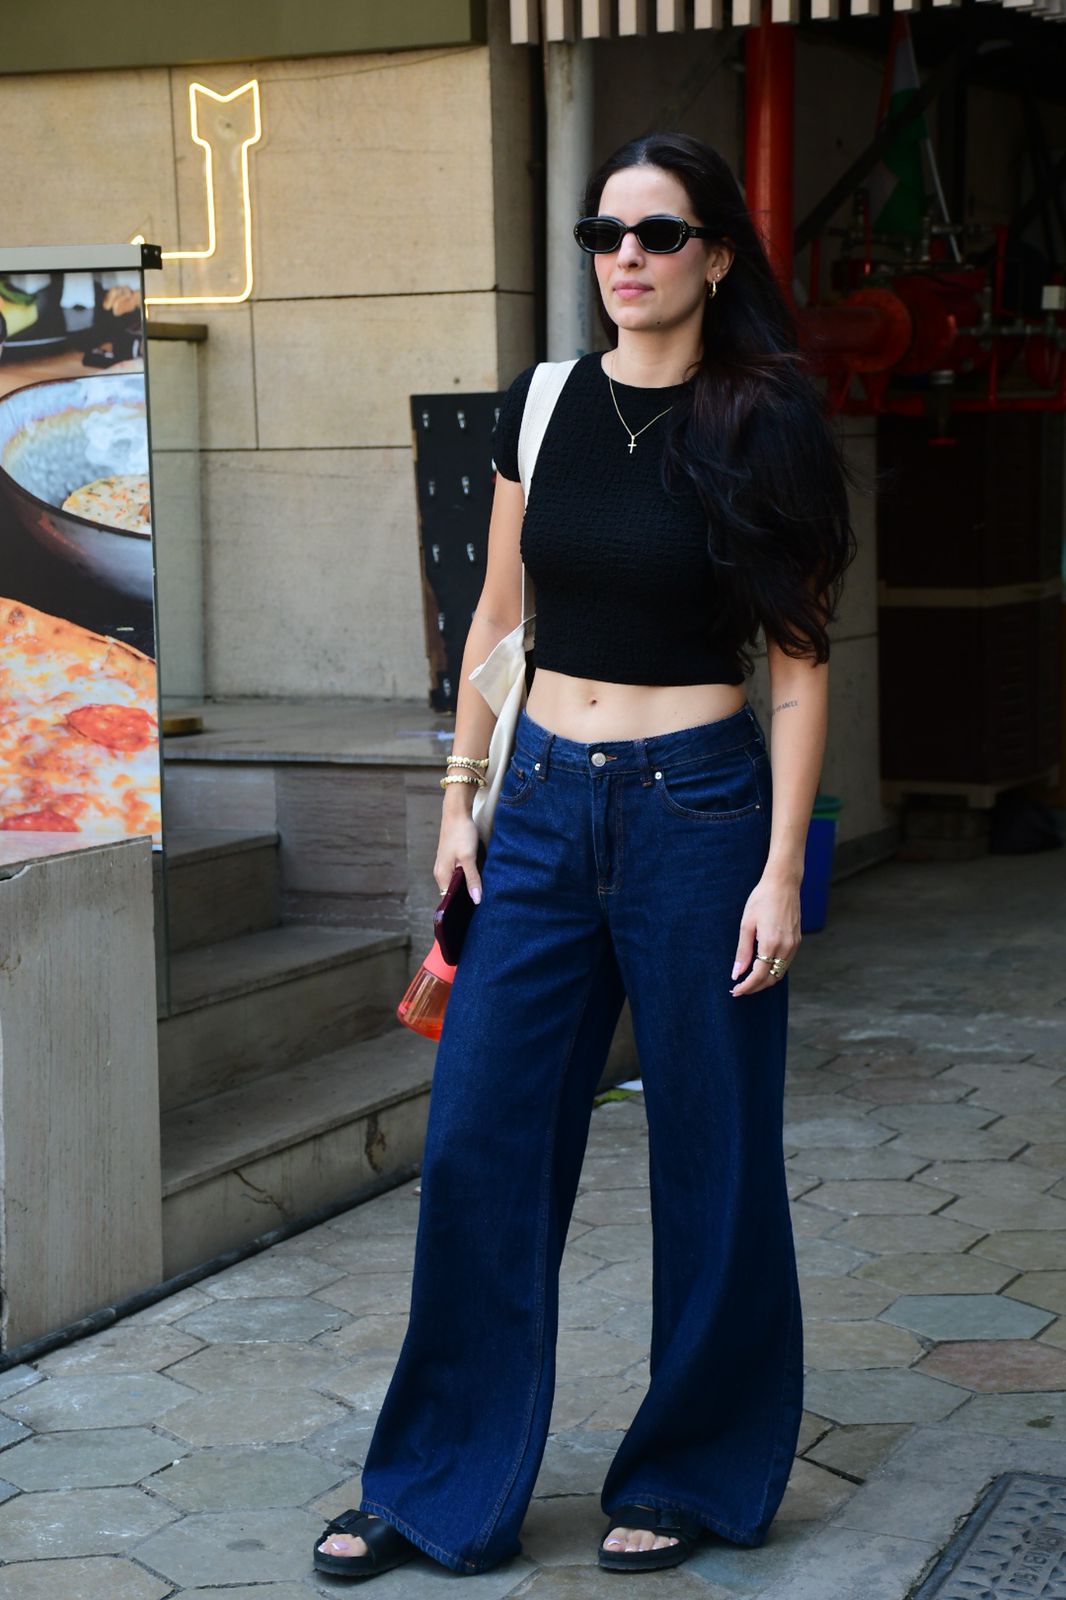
(818, 862)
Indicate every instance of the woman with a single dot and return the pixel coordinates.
(687, 492)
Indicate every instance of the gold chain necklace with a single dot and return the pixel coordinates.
(633, 437)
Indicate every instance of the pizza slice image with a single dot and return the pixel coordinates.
(79, 732)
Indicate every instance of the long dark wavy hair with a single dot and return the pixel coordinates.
(752, 435)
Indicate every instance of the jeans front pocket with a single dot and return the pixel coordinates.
(517, 785)
(717, 788)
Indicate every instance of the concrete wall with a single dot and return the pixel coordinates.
(391, 200)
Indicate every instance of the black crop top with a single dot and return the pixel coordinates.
(620, 567)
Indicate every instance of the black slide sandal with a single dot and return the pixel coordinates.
(386, 1546)
(670, 1524)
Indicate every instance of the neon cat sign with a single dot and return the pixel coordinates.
(225, 126)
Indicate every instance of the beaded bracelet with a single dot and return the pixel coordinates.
(462, 778)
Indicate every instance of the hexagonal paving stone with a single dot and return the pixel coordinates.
(364, 1381)
(574, 1401)
(829, 1346)
(614, 1205)
(628, 1280)
(885, 1091)
(365, 1334)
(1014, 1077)
(813, 1493)
(890, 1197)
(999, 1365)
(365, 1295)
(878, 1161)
(1055, 1334)
(78, 1522)
(585, 1305)
(854, 1132)
(858, 1448)
(894, 1234)
(16, 1379)
(916, 1066)
(251, 1416)
(256, 1591)
(1027, 1251)
(10, 1431)
(812, 1221)
(172, 1309)
(943, 1273)
(815, 1081)
(842, 1299)
(89, 1459)
(574, 1458)
(617, 1242)
(1002, 1211)
(245, 1479)
(827, 1257)
(95, 1578)
(1046, 1157)
(269, 1276)
(619, 1408)
(880, 1395)
(989, 1144)
(612, 1172)
(966, 1316)
(116, 1400)
(260, 1366)
(120, 1349)
(1047, 1289)
(1015, 1415)
(584, 1354)
(267, 1321)
(1034, 1125)
(367, 1252)
(986, 1177)
(232, 1547)
(812, 1107)
(929, 1119)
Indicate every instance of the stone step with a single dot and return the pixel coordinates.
(220, 883)
(247, 1007)
(247, 1159)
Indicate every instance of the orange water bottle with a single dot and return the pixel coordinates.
(422, 1007)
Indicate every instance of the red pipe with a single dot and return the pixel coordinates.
(769, 99)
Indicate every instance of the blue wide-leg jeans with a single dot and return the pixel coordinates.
(614, 869)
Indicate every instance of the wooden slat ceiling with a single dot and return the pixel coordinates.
(535, 20)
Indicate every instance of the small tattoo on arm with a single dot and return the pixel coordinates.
(785, 705)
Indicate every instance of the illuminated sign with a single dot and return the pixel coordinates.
(225, 126)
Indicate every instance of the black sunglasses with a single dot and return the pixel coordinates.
(658, 235)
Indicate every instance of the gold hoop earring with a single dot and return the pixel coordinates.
(713, 288)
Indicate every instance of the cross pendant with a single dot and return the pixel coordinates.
(632, 443)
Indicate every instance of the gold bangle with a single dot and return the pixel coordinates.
(462, 778)
(466, 761)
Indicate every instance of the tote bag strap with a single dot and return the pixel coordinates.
(545, 387)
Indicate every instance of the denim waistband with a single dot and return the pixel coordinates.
(539, 744)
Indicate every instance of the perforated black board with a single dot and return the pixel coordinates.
(454, 476)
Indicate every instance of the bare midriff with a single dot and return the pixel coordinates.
(586, 710)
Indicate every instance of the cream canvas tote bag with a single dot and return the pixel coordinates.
(501, 677)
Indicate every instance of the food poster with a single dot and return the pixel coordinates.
(79, 709)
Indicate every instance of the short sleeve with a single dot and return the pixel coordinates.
(509, 425)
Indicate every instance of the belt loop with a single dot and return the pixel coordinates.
(546, 743)
(645, 764)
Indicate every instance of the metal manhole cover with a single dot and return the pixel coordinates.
(1012, 1547)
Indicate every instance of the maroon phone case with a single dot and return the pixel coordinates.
(452, 916)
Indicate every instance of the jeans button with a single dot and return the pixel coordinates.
(599, 759)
